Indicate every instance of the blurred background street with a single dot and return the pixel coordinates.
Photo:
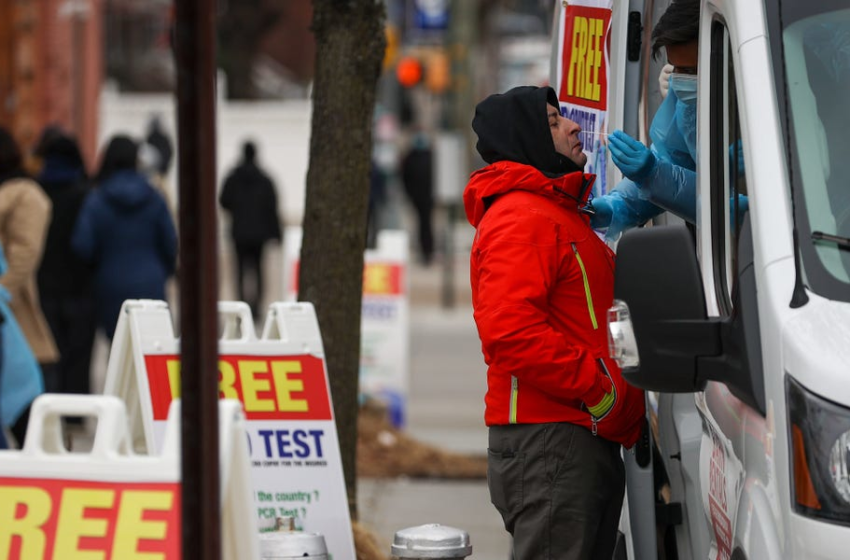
(93, 71)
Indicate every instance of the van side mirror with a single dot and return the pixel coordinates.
(679, 347)
(658, 277)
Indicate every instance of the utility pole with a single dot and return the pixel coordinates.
(195, 47)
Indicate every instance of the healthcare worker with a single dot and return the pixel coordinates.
(663, 176)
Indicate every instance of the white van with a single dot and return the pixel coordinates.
(743, 329)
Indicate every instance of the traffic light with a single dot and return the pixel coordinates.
(408, 71)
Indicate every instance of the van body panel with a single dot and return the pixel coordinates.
(815, 540)
(680, 438)
(745, 18)
(756, 532)
(721, 476)
(764, 154)
(822, 329)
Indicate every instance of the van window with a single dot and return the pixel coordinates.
(817, 68)
(729, 200)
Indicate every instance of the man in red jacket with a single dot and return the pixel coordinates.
(557, 408)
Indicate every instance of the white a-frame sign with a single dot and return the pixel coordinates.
(281, 380)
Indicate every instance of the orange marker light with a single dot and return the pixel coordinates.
(804, 490)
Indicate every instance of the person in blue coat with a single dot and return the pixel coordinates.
(125, 232)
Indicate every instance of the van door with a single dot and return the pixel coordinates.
(735, 455)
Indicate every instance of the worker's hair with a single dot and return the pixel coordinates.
(678, 25)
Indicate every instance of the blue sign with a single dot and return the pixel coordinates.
(431, 14)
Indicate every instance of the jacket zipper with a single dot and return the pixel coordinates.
(514, 394)
(586, 288)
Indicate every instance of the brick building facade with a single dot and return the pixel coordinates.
(51, 68)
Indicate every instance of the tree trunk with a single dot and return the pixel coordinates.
(350, 44)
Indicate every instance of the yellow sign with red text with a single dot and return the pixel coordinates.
(81, 520)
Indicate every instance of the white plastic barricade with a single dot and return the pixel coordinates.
(111, 503)
(281, 381)
(385, 316)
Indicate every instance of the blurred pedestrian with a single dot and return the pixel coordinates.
(35, 162)
(24, 218)
(64, 280)
(126, 234)
(377, 199)
(158, 139)
(148, 165)
(557, 407)
(417, 174)
(21, 380)
(154, 162)
(249, 196)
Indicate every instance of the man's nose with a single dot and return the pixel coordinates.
(573, 127)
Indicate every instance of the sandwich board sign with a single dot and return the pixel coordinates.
(280, 378)
(111, 503)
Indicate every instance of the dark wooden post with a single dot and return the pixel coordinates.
(195, 47)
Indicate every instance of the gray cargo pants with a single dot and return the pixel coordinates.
(558, 488)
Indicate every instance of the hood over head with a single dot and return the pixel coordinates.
(126, 190)
(514, 126)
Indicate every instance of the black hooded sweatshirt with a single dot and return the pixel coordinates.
(514, 126)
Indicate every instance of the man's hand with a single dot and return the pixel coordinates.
(604, 406)
(633, 158)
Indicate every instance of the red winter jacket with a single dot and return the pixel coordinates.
(542, 283)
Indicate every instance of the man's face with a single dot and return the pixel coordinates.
(684, 57)
(565, 136)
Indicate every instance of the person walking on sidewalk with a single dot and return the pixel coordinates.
(249, 195)
(417, 174)
(64, 280)
(556, 406)
(125, 233)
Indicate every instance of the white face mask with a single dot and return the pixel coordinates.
(685, 87)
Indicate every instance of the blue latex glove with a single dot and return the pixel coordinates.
(621, 209)
(673, 188)
(633, 158)
(743, 208)
(603, 212)
(736, 151)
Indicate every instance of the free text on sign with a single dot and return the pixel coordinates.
(584, 72)
(269, 387)
(79, 520)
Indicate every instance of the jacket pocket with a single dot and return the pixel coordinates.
(594, 420)
(505, 470)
